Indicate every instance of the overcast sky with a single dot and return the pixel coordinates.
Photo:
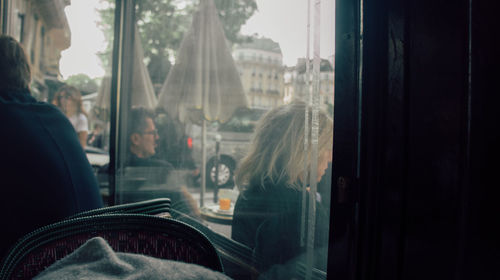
(86, 40)
(284, 21)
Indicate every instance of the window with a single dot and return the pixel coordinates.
(42, 46)
(20, 30)
(34, 32)
(158, 139)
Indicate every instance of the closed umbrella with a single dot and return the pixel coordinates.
(142, 93)
(204, 84)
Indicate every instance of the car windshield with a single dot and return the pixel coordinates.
(243, 120)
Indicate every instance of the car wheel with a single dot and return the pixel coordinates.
(226, 172)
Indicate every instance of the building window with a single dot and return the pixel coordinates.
(20, 31)
(34, 39)
(42, 47)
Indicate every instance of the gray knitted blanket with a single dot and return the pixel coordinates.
(96, 260)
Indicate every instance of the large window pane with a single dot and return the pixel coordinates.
(205, 73)
(204, 76)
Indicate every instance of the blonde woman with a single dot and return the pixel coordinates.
(268, 211)
(69, 100)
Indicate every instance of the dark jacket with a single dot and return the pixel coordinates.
(157, 173)
(172, 145)
(44, 173)
(269, 222)
(135, 161)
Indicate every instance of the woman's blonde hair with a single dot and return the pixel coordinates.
(71, 92)
(277, 150)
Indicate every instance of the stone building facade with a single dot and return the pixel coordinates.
(42, 28)
(260, 64)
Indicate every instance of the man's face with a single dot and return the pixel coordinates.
(144, 143)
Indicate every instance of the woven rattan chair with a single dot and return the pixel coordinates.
(129, 233)
(156, 207)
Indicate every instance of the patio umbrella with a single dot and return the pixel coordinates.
(203, 84)
(143, 93)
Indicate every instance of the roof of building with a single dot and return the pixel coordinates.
(52, 11)
(265, 44)
(325, 65)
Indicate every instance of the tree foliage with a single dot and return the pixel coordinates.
(163, 23)
(83, 83)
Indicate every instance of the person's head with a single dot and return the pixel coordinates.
(15, 73)
(69, 100)
(277, 151)
(98, 128)
(142, 134)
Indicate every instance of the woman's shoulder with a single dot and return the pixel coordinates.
(81, 117)
(269, 197)
(269, 189)
(82, 122)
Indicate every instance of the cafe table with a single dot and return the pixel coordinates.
(212, 213)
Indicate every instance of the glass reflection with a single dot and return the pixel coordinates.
(214, 78)
(205, 73)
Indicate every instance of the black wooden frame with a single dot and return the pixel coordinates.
(418, 164)
(414, 190)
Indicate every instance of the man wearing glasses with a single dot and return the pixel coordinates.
(143, 138)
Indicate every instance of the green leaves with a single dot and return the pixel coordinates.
(163, 23)
(83, 83)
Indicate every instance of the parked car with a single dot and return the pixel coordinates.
(97, 157)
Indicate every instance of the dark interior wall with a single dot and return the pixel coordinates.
(480, 228)
(437, 136)
(342, 238)
(426, 132)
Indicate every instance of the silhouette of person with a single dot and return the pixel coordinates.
(96, 137)
(142, 143)
(69, 100)
(45, 173)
